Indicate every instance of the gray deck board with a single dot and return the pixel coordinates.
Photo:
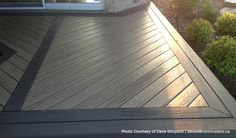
(19, 62)
(20, 52)
(33, 42)
(7, 81)
(12, 70)
(23, 28)
(165, 96)
(4, 95)
(185, 98)
(17, 41)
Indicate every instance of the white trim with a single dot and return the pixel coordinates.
(25, 8)
(76, 6)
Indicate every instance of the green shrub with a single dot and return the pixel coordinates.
(226, 24)
(221, 55)
(209, 12)
(200, 31)
(183, 7)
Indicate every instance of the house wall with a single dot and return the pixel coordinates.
(120, 5)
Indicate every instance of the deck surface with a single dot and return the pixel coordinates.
(117, 62)
(23, 34)
(116, 72)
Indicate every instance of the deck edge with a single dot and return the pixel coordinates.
(108, 114)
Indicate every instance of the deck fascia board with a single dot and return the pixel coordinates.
(105, 114)
(104, 128)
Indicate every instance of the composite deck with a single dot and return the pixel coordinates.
(117, 62)
(111, 62)
(24, 35)
(116, 72)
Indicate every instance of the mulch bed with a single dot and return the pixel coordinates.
(181, 24)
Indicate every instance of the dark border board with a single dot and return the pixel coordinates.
(21, 91)
(69, 12)
(108, 129)
(6, 52)
(108, 114)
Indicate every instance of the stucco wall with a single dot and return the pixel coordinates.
(120, 5)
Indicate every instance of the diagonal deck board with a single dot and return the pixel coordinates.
(166, 95)
(185, 98)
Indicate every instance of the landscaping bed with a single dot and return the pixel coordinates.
(181, 22)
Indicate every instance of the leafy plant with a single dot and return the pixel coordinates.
(221, 54)
(200, 31)
(226, 24)
(209, 11)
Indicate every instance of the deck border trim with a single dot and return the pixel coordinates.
(108, 114)
(107, 129)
